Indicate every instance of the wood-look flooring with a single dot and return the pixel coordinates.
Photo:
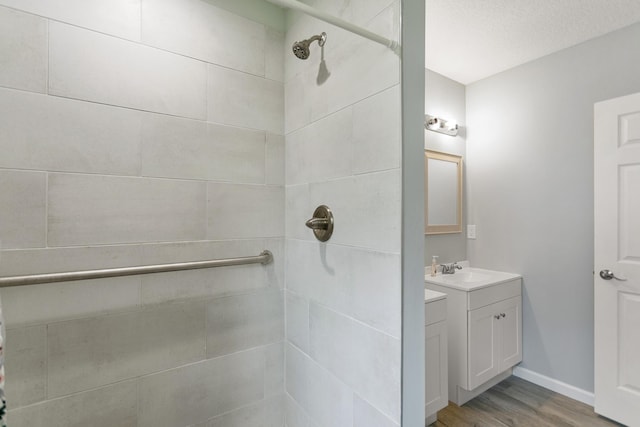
(518, 403)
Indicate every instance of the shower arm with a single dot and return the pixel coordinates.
(339, 22)
(319, 38)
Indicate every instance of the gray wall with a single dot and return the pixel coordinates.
(133, 134)
(530, 190)
(446, 98)
(343, 149)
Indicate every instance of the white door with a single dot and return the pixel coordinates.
(617, 259)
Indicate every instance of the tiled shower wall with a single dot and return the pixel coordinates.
(343, 147)
(138, 132)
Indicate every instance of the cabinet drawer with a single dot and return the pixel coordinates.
(435, 311)
(489, 295)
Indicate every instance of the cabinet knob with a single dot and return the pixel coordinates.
(503, 315)
(497, 316)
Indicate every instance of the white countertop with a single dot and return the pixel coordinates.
(471, 278)
(431, 296)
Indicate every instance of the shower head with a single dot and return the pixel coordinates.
(301, 48)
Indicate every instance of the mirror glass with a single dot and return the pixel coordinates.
(443, 198)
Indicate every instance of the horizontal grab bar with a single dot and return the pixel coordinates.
(35, 279)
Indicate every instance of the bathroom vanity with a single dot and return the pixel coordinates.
(435, 336)
(484, 323)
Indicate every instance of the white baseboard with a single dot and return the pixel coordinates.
(554, 385)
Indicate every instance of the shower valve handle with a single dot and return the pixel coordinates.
(321, 223)
(317, 223)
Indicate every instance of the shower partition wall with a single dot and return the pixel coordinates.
(152, 132)
(343, 149)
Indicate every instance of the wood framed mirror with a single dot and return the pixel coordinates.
(443, 193)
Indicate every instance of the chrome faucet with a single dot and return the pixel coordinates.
(450, 268)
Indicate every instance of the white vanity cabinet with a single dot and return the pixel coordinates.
(484, 319)
(435, 362)
(495, 340)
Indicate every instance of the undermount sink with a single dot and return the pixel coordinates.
(470, 278)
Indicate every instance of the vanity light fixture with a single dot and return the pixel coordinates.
(438, 124)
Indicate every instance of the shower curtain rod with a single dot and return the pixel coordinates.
(264, 258)
(339, 22)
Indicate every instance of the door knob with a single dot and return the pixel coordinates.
(608, 275)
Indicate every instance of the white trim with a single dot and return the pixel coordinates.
(565, 389)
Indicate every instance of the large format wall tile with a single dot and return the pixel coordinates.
(300, 26)
(65, 300)
(105, 407)
(298, 210)
(200, 30)
(25, 365)
(320, 151)
(275, 270)
(299, 264)
(195, 393)
(366, 209)
(350, 81)
(240, 322)
(358, 139)
(56, 260)
(366, 288)
(274, 369)
(327, 400)
(22, 209)
(56, 134)
(121, 133)
(274, 55)
(209, 282)
(365, 415)
(297, 309)
(377, 133)
(95, 67)
(275, 159)
(90, 209)
(23, 51)
(358, 12)
(240, 99)
(244, 211)
(352, 352)
(181, 148)
(88, 353)
(294, 414)
(116, 17)
(267, 413)
(343, 150)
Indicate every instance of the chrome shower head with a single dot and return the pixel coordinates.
(301, 48)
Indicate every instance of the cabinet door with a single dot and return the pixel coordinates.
(483, 345)
(511, 332)
(436, 368)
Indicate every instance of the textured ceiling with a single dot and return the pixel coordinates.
(467, 40)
